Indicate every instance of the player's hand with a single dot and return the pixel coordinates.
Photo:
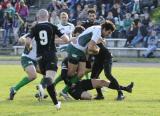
(101, 41)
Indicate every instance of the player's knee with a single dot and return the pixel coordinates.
(71, 72)
(32, 76)
(81, 73)
(86, 96)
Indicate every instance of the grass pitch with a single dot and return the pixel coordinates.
(144, 101)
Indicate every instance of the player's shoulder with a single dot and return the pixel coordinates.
(95, 28)
(70, 24)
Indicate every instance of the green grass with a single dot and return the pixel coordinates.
(117, 59)
(144, 101)
(10, 58)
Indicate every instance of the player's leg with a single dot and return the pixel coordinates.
(97, 83)
(96, 70)
(73, 60)
(76, 61)
(50, 72)
(72, 68)
(29, 68)
(81, 69)
(57, 80)
(65, 90)
(88, 69)
(107, 70)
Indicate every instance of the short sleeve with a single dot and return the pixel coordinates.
(58, 32)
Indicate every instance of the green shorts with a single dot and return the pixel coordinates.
(25, 62)
(75, 55)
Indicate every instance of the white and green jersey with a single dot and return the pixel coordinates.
(32, 53)
(91, 33)
(66, 29)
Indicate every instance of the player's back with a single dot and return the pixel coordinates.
(44, 34)
(93, 32)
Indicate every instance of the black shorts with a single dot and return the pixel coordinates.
(79, 88)
(48, 62)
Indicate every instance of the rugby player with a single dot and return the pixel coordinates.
(44, 34)
(29, 64)
(78, 89)
(88, 39)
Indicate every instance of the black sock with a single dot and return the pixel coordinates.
(113, 86)
(52, 93)
(123, 88)
(99, 92)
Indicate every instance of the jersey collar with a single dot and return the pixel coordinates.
(42, 21)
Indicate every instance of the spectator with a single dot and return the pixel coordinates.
(65, 8)
(127, 22)
(54, 6)
(115, 9)
(1, 16)
(152, 45)
(54, 19)
(103, 10)
(84, 14)
(136, 7)
(150, 28)
(13, 2)
(17, 6)
(135, 16)
(78, 11)
(119, 28)
(108, 4)
(30, 3)
(4, 3)
(110, 17)
(23, 11)
(17, 22)
(127, 5)
(139, 33)
(7, 26)
(91, 19)
(146, 20)
(10, 9)
(130, 35)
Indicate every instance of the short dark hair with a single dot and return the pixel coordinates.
(91, 11)
(136, 21)
(78, 29)
(108, 25)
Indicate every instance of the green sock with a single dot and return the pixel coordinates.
(22, 83)
(73, 80)
(58, 79)
(42, 80)
(65, 89)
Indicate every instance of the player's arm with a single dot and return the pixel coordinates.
(22, 39)
(64, 39)
(93, 48)
(26, 41)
